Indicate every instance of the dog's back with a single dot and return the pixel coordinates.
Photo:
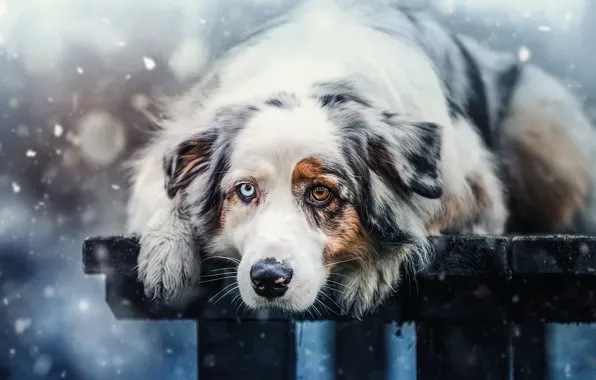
(544, 143)
(534, 125)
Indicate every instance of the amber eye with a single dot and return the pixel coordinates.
(320, 195)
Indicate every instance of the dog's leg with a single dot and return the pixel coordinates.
(168, 261)
(547, 144)
(489, 198)
(473, 201)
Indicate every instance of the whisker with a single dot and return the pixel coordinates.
(222, 269)
(340, 284)
(244, 309)
(240, 304)
(327, 307)
(335, 290)
(216, 279)
(218, 274)
(335, 303)
(343, 261)
(338, 274)
(232, 259)
(316, 310)
(225, 287)
(225, 294)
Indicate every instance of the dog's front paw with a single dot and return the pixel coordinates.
(168, 264)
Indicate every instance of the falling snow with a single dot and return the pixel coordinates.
(16, 188)
(188, 59)
(80, 70)
(30, 153)
(523, 54)
(149, 63)
(83, 305)
(58, 130)
(101, 138)
(568, 370)
(49, 292)
(42, 365)
(21, 325)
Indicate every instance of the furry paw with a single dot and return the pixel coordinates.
(364, 289)
(168, 262)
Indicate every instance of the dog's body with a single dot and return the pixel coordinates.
(336, 139)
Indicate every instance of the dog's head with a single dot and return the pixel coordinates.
(301, 188)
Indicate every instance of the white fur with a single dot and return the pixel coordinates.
(322, 41)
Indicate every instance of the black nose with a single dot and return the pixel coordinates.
(270, 278)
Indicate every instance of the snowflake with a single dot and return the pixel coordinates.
(21, 325)
(16, 188)
(149, 63)
(58, 130)
(83, 305)
(523, 54)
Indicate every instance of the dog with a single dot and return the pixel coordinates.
(331, 142)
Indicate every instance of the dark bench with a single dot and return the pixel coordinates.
(480, 311)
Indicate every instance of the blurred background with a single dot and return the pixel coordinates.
(75, 77)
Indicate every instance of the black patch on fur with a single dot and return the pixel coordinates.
(334, 94)
(213, 198)
(506, 83)
(282, 100)
(333, 100)
(275, 102)
(381, 162)
(455, 110)
(448, 70)
(476, 105)
(420, 171)
(412, 18)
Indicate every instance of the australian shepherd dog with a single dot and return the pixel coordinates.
(330, 143)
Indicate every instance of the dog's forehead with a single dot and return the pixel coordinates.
(283, 137)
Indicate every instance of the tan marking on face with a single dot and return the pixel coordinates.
(309, 171)
(339, 221)
(230, 201)
(348, 240)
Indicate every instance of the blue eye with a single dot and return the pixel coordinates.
(246, 191)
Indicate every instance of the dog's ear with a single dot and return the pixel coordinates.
(408, 153)
(186, 160)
